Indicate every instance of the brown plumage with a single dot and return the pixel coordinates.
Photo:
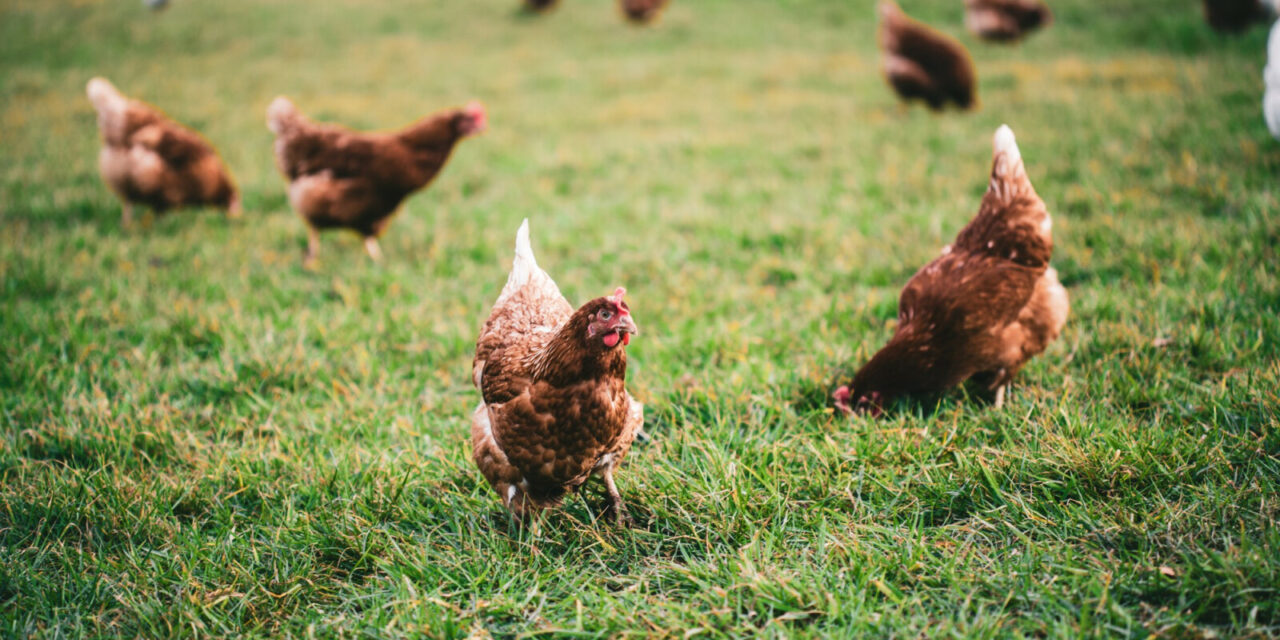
(983, 308)
(921, 62)
(540, 5)
(554, 408)
(1005, 20)
(342, 179)
(1234, 16)
(152, 161)
(642, 11)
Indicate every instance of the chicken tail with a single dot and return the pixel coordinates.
(1007, 146)
(1012, 220)
(525, 265)
(1008, 173)
(282, 116)
(104, 96)
(525, 272)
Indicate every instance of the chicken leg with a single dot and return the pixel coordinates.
(614, 509)
(311, 260)
(371, 247)
(235, 210)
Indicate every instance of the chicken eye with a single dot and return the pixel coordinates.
(606, 314)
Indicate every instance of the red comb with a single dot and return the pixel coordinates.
(475, 109)
(616, 299)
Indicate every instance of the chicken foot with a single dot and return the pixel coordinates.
(999, 400)
(996, 382)
(614, 508)
(311, 259)
(371, 247)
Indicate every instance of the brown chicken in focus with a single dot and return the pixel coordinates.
(982, 309)
(154, 162)
(923, 63)
(342, 179)
(1234, 16)
(554, 409)
(1005, 20)
(642, 11)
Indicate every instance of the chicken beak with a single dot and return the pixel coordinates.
(628, 325)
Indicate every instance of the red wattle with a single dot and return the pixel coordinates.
(610, 339)
(626, 339)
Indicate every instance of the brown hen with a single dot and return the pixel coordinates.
(154, 162)
(1005, 20)
(342, 179)
(923, 63)
(983, 308)
(540, 5)
(1234, 16)
(642, 11)
(554, 409)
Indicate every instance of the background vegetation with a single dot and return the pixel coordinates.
(199, 437)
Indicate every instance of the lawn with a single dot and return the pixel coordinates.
(198, 437)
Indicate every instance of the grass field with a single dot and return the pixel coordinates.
(200, 438)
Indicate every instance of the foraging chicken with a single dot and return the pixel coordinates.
(340, 178)
(151, 161)
(555, 409)
(642, 11)
(921, 62)
(1234, 16)
(1005, 20)
(540, 5)
(982, 309)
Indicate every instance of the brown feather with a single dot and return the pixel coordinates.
(642, 11)
(1006, 20)
(923, 63)
(1234, 16)
(152, 161)
(345, 179)
(554, 407)
(985, 306)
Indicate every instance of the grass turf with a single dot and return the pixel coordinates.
(198, 437)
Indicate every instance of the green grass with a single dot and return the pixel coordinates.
(200, 438)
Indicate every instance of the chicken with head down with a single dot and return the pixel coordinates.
(151, 161)
(982, 309)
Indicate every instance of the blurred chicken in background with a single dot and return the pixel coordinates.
(642, 11)
(540, 5)
(344, 179)
(1234, 16)
(154, 162)
(923, 63)
(1005, 20)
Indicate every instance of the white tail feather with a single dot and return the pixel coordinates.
(526, 274)
(104, 95)
(279, 114)
(525, 262)
(1007, 146)
(525, 266)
